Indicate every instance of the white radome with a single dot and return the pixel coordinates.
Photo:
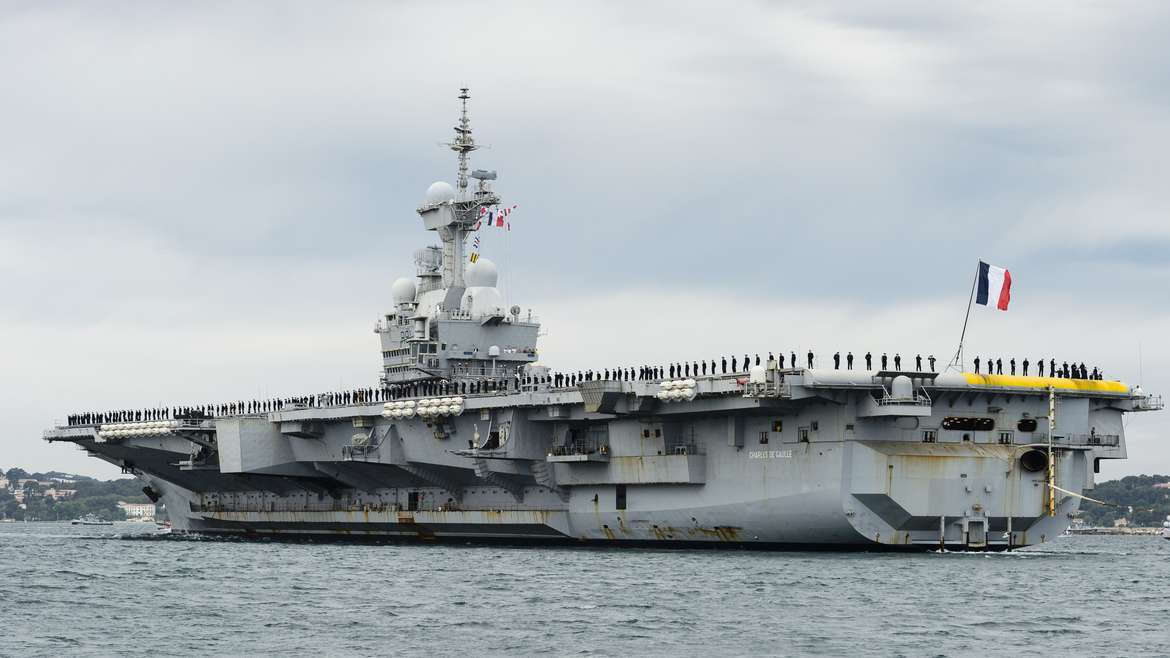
(483, 273)
(439, 192)
(402, 290)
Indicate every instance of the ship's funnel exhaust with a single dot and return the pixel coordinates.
(1034, 461)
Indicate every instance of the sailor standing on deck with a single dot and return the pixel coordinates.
(931, 359)
(976, 365)
(810, 359)
(1040, 367)
(849, 360)
(897, 361)
(836, 361)
(885, 360)
(918, 362)
(1025, 365)
(868, 361)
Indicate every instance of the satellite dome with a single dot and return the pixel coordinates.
(402, 290)
(482, 300)
(439, 192)
(758, 375)
(482, 274)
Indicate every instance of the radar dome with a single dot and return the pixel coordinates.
(402, 290)
(902, 388)
(482, 274)
(439, 192)
(482, 300)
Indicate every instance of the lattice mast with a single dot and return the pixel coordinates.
(464, 143)
(464, 209)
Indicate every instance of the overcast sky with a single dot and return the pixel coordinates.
(209, 201)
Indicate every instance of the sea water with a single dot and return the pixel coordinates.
(106, 590)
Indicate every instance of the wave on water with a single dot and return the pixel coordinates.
(269, 598)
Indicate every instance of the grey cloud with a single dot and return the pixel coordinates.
(198, 171)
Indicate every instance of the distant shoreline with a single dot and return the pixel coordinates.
(1140, 531)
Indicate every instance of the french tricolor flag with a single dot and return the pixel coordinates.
(995, 283)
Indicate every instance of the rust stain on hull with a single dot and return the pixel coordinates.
(665, 532)
(720, 532)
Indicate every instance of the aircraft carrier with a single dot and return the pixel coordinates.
(467, 438)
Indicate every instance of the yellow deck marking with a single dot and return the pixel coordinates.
(1015, 381)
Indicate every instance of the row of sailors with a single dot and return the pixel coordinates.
(701, 368)
(318, 400)
(556, 380)
(727, 365)
(1063, 371)
(733, 365)
(238, 408)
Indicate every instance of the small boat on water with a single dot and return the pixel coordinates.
(91, 519)
(1166, 528)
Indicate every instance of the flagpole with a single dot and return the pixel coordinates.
(507, 258)
(958, 360)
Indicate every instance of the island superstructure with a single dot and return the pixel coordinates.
(466, 437)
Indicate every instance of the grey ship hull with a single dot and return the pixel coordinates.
(837, 470)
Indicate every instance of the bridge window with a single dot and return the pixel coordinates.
(620, 497)
(1026, 425)
(1005, 438)
(968, 423)
(930, 436)
(777, 426)
(763, 438)
(803, 435)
